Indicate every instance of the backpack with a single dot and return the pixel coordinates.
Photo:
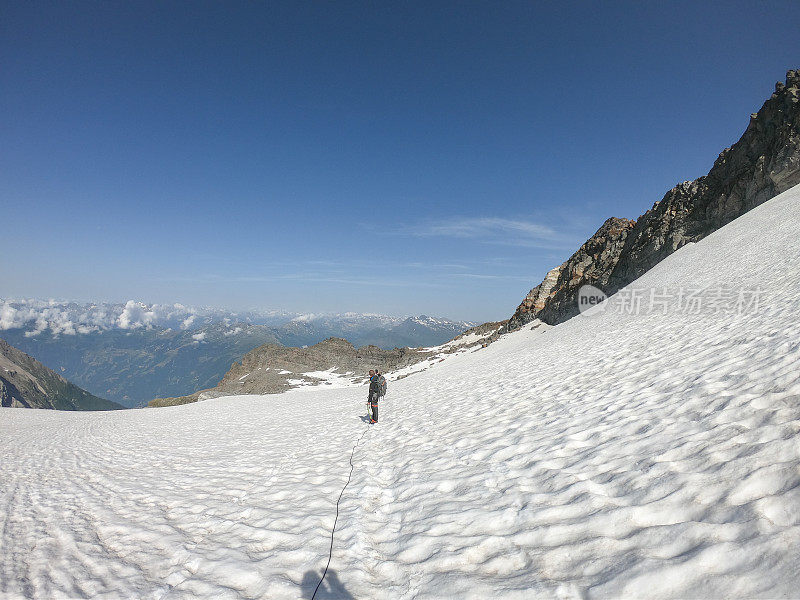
(382, 382)
(375, 386)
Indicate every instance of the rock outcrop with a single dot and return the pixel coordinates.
(270, 369)
(761, 165)
(593, 262)
(27, 383)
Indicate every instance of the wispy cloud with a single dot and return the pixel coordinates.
(493, 277)
(495, 230)
(367, 273)
(484, 227)
(353, 280)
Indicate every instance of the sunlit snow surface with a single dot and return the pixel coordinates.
(615, 456)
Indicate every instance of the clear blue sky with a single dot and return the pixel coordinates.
(401, 158)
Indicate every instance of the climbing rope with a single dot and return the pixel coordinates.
(330, 553)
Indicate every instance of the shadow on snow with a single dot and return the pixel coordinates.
(331, 588)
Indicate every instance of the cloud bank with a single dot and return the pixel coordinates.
(37, 317)
(71, 318)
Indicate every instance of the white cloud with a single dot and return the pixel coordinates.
(493, 277)
(41, 326)
(199, 337)
(485, 226)
(495, 230)
(137, 314)
(40, 316)
(10, 317)
(69, 318)
(305, 318)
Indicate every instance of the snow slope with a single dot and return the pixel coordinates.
(615, 456)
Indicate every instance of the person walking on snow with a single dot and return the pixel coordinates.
(374, 394)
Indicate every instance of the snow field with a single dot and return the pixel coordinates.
(612, 456)
(180, 505)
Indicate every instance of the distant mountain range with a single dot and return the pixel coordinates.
(27, 383)
(134, 352)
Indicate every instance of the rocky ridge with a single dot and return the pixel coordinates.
(27, 383)
(761, 165)
(271, 368)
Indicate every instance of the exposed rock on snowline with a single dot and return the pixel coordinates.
(761, 165)
(271, 369)
(27, 383)
(593, 262)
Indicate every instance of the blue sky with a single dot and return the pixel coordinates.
(400, 158)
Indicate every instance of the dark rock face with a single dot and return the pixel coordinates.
(27, 383)
(761, 165)
(10, 395)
